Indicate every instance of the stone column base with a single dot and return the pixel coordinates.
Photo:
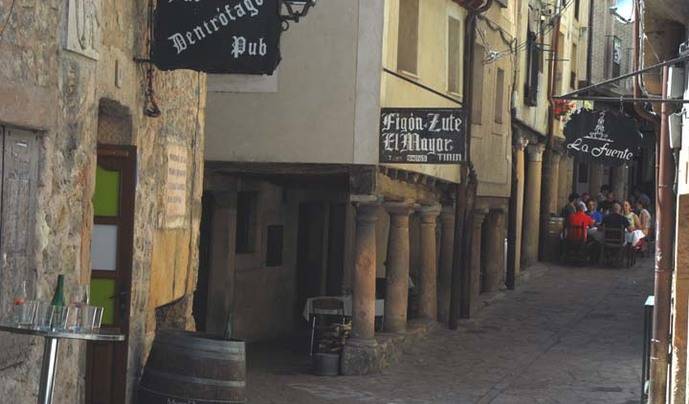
(360, 357)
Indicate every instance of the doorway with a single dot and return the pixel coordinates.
(111, 270)
(320, 250)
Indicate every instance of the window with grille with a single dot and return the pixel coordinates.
(533, 68)
(477, 84)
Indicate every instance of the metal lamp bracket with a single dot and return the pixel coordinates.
(294, 10)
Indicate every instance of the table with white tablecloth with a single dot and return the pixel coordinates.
(346, 302)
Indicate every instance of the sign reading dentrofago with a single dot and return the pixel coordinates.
(217, 36)
(607, 137)
(422, 135)
(176, 186)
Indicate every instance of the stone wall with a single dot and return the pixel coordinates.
(59, 93)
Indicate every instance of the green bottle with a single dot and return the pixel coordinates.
(59, 296)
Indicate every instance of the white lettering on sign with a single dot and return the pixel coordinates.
(240, 46)
(176, 186)
(251, 8)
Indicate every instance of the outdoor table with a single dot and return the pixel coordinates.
(52, 338)
(346, 302)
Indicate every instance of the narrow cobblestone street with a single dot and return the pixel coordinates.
(566, 335)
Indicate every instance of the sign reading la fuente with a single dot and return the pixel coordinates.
(607, 137)
(217, 36)
(422, 135)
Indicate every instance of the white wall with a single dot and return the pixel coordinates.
(327, 102)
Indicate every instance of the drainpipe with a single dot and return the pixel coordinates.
(546, 179)
(663, 266)
(459, 298)
(664, 227)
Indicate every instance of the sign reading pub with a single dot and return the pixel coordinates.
(217, 36)
(422, 135)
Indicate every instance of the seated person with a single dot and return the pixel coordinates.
(578, 224)
(593, 211)
(635, 230)
(606, 205)
(570, 207)
(644, 217)
(615, 220)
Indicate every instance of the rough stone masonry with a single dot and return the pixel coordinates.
(75, 89)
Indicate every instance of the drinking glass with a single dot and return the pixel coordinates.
(91, 317)
(44, 315)
(74, 317)
(60, 315)
(23, 314)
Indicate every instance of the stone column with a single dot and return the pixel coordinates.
(564, 187)
(475, 268)
(428, 297)
(447, 221)
(364, 277)
(519, 148)
(495, 250)
(397, 268)
(619, 182)
(532, 204)
(554, 182)
(595, 178)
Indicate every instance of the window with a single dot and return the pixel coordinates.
(499, 95)
(576, 9)
(246, 222)
(408, 36)
(477, 84)
(573, 65)
(274, 246)
(583, 175)
(616, 56)
(533, 67)
(454, 57)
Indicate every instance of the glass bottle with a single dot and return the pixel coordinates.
(59, 296)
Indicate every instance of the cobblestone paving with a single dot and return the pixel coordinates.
(566, 335)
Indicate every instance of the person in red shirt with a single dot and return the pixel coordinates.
(579, 223)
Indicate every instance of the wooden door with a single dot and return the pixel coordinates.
(111, 267)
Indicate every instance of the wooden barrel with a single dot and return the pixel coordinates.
(194, 368)
(553, 239)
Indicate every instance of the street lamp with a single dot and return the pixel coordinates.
(293, 10)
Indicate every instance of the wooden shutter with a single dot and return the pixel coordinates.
(18, 205)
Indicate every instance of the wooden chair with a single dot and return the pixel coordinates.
(575, 249)
(614, 248)
(323, 309)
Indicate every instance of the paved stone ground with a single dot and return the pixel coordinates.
(566, 335)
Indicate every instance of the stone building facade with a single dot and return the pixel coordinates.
(72, 94)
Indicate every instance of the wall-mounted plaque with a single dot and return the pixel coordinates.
(217, 36)
(422, 135)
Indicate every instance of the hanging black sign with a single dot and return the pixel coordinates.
(422, 135)
(217, 36)
(607, 137)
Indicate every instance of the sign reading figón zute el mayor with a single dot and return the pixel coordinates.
(217, 36)
(422, 135)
